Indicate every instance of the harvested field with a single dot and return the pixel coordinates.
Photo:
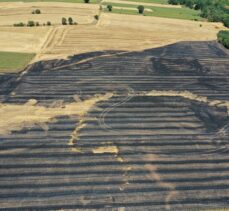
(16, 12)
(24, 40)
(120, 32)
(32, 40)
(111, 32)
(159, 140)
(63, 1)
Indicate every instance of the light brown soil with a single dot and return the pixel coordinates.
(112, 31)
(126, 32)
(107, 149)
(15, 117)
(26, 40)
(31, 40)
(15, 12)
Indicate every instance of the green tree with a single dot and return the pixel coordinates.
(86, 1)
(37, 11)
(109, 7)
(19, 24)
(70, 20)
(226, 21)
(64, 21)
(141, 9)
(31, 23)
(96, 17)
(223, 37)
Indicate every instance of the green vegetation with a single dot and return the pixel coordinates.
(150, 1)
(223, 37)
(14, 62)
(178, 13)
(109, 7)
(96, 17)
(213, 10)
(141, 9)
(31, 24)
(70, 20)
(64, 21)
(21, 24)
(37, 11)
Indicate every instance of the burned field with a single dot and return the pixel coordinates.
(156, 133)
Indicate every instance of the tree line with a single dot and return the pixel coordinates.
(213, 10)
(223, 37)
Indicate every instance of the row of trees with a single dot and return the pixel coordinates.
(223, 37)
(37, 11)
(213, 10)
(32, 24)
(68, 21)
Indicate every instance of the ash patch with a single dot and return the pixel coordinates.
(178, 67)
(213, 117)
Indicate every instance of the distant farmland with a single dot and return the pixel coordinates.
(178, 13)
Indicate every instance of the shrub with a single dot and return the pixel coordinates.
(174, 2)
(197, 7)
(37, 11)
(64, 21)
(96, 17)
(226, 21)
(189, 4)
(49, 23)
(31, 23)
(37, 24)
(75, 23)
(70, 20)
(109, 7)
(86, 1)
(223, 37)
(19, 24)
(141, 9)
